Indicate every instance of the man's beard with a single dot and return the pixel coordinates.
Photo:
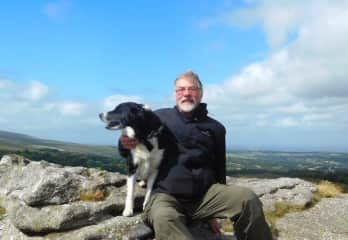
(187, 107)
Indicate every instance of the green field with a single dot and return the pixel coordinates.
(308, 165)
(286, 161)
(69, 154)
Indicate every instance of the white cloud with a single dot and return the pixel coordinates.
(110, 102)
(262, 120)
(25, 106)
(317, 117)
(312, 64)
(277, 18)
(34, 91)
(302, 83)
(4, 84)
(57, 9)
(287, 122)
(72, 108)
(259, 81)
(294, 108)
(14, 92)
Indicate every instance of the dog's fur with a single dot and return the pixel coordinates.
(139, 122)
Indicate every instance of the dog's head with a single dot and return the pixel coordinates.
(123, 115)
(129, 114)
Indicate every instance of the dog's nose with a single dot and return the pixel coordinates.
(101, 116)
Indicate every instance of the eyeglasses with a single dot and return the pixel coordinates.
(181, 90)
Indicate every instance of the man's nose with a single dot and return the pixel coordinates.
(187, 91)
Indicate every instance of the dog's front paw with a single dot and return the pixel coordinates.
(142, 183)
(127, 212)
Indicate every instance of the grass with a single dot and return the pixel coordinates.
(2, 212)
(226, 225)
(328, 189)
(92, 196)
(281, 208)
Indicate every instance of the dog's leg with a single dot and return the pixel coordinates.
(129, 204)
(150, 182)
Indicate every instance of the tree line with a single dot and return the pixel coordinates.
(112, 164)
(117, 164)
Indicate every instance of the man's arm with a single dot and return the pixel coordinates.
(125, 144)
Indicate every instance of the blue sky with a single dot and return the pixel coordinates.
(274, 72)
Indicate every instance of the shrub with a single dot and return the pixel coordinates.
(328, 189)
(92, 195)
(2, 212)
(281, 208)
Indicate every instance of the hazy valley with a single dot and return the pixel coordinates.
(309, 165)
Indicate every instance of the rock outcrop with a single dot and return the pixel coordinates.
(49, 201)
(327, 220)
(293, 191)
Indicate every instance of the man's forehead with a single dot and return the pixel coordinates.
(186, 82)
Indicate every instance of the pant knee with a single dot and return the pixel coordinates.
(242, 200)
(161, 217)
(250, 196)
(252, 202)
(241, 194)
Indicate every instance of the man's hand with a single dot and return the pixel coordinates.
(214, 225)
(127, 142)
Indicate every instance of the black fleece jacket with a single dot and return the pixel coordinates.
(201, 160)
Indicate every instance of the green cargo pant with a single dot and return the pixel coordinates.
(169, 216)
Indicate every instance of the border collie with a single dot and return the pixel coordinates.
(139, 122)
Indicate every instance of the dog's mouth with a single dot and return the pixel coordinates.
(111, 124)
(114, 125)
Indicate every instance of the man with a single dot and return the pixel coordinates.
(192, 186)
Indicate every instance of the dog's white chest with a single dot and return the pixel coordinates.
(145, 160)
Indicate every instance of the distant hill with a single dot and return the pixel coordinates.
(306, 165)
(16, 138)
(18, 141)
(64, 153)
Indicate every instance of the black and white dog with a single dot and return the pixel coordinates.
(139, 122)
